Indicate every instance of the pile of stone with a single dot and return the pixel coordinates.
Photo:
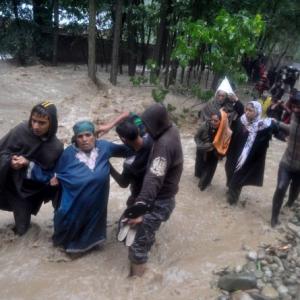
(272, 272)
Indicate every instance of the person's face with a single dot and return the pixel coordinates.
(215, 121)
(85, 141)
(250, 112)
(296, 109)
(40, 124)
(221, 96)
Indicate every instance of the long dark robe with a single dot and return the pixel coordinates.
(252, 171)
(15, 189)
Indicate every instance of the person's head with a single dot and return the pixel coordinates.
(221, 95)
(128, 132)
(215, 119)
(43, 119)
(295, 102)
(253, 111)
(156, 120)
(84, 135)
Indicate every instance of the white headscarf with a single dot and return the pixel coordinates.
(253, 127)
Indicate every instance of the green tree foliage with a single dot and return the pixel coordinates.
(228, 39)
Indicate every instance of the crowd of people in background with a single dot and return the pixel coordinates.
(249, 131)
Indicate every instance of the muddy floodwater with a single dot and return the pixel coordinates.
(203, 234)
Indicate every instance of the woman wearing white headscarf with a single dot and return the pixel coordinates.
(224, 99)
(246, 156)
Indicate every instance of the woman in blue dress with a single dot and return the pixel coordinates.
(83, 174)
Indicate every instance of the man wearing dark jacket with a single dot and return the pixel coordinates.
(160, 184)
(289, 167)
(32, 142)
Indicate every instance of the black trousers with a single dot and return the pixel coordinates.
(284, 179)
(145, 236)
(23, 208)
(205, 168)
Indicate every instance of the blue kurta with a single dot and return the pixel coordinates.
(80, 220)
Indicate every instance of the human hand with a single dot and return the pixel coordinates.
(103, 129)
(18, 162)
(135, 221)
(54, 181)
(233, 97)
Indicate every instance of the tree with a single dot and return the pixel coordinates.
(55, 31)
(92, 41)
(228, 39)
(116, 42)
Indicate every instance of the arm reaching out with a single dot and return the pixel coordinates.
(105, 128)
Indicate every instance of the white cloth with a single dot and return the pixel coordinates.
(252, 127)
(88, 159)
(225, 86)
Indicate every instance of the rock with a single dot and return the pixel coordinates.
(294, 228)
(261, 254)
(223, 297)
(279, 263)
(293, 290)
(260, 284)
(249, 267)
(252, 255)
(259, 274)
(240, 295)
(257, 296)
(234, 282)
(269, 291)
(282, 290)
(268, 273)
(274, 267)
(238, 269)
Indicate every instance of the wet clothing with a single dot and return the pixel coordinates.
(134, 169)
(166, 158)
(145, 236)
(246, 156)
(252, 171)
(80, 219)
(206, 156)
(289, 169)
(18, 194)
(291, 156)
(161, 180)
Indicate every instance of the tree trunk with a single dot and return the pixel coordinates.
(145, 47)
(55, 31)
(215, 81)
(132, 38)
(161, 32)
(182, 75)
(92, 40)
(116, 43)
(282, 55)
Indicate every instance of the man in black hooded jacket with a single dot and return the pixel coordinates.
(32, 142)
(160, 184)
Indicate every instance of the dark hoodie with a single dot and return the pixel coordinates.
(165, 162)
(43, 151)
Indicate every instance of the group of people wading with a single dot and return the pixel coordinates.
(35, 168)
(243, 136)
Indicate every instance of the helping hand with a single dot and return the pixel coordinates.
(18, 162)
